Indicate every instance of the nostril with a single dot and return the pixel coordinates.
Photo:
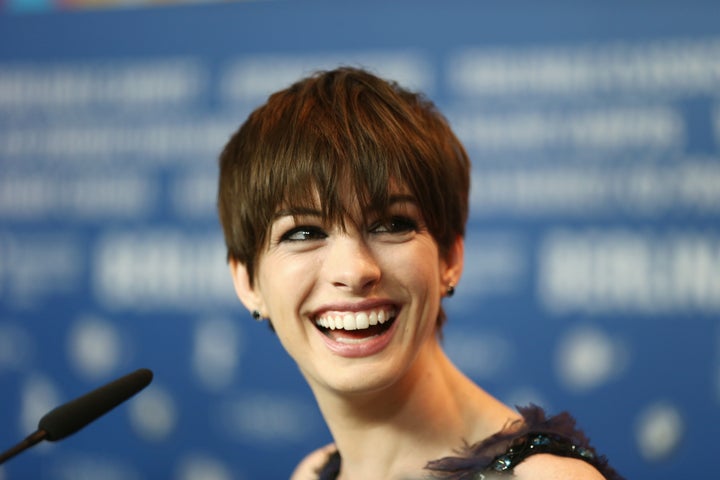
(357, 280)
(351, 265)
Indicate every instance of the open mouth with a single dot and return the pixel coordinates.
(350, 327)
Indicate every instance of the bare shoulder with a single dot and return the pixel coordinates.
(308, 468)
(553, 467)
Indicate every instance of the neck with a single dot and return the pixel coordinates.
(394, 432)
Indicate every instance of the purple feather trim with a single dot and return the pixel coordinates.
(481, 456)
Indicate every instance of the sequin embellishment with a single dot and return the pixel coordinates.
(538, 443)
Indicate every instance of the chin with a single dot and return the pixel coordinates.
(363, 376)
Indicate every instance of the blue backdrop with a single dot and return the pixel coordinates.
(592, 281)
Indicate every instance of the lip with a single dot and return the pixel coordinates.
(366, 347)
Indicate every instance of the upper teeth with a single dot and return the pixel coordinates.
(354, 320)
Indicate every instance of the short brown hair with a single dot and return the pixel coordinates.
(334, 127)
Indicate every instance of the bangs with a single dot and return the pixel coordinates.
(326, 158)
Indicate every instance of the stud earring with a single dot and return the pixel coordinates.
(450, 291)
(257, 316)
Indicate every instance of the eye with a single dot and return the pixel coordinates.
(303, 233)
(395, 225)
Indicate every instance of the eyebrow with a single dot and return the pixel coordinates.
(404, 198)
(297, 211)
(314, 212)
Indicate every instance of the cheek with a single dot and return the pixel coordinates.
(283, 282)
(417, 264)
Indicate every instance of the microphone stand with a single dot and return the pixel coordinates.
(29, 441)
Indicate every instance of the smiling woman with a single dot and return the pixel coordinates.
(343, 201)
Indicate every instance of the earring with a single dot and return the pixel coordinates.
(257, 316)
(450, 291)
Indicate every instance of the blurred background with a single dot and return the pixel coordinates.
(592, 280)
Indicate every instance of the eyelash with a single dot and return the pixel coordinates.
(393, 225)
(308, 233)
(396, 224)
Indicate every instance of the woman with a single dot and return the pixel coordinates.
(343, 201)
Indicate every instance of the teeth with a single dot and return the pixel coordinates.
(355, 321)
(361, 321)
(349, 322)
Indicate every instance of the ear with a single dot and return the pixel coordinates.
(244, 288)
(453, 263)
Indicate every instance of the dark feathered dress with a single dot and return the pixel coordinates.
(499, 454)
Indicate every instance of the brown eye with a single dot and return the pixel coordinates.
(395, 224)
(303, 233)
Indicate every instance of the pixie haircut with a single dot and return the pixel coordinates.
(333, 133)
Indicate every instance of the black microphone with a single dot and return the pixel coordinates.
(75, 414)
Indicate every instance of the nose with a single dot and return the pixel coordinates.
(351, 265)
